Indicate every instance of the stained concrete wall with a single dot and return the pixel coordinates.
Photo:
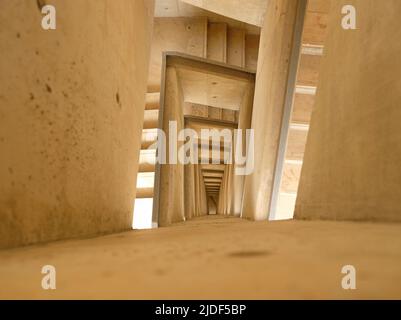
(270, 90)
(71, 110)
(352, 162)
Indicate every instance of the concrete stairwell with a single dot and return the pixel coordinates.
(222, 43)
(314, 34)
(308, 208)
(147, 160)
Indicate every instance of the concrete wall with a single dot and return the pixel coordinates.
(271, 83)
(352, 162)
(71, 110)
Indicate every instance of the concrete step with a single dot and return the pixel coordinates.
(308, 73)
(145, 184)
(146, 167)
(149, 137)
(296, 144)
(151, 119)
(147, 160)
(144, 193)
(152, 101)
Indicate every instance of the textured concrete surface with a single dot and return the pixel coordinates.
(276, 42)
(214, 257)
(71, 114)
(351, 168)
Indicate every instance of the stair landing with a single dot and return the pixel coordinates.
(214, 258)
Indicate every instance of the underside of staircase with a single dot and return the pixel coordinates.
(199, 37)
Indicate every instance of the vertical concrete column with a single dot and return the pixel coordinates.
(230, 187)
(197, 192)
(222, 198)
(351, 167)
(190, 191)
(277, 39)
(226, 190)
(171, 194)
(71, 112)
(201, 205)
(203, 197)
(244, 123)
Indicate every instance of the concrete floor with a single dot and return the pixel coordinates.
(214, 258)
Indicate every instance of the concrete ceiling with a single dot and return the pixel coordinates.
(175, 8)
(211, 89)
(249, 11)
(180, 8)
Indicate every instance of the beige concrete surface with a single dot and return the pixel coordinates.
(276, 42)
(71, 112)
(352, 160)
(171, 191)
(250, 11)
(186, 35)
(214, 257)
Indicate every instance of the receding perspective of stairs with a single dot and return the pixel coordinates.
(147, 159)
(304, 99)
(218, 41)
